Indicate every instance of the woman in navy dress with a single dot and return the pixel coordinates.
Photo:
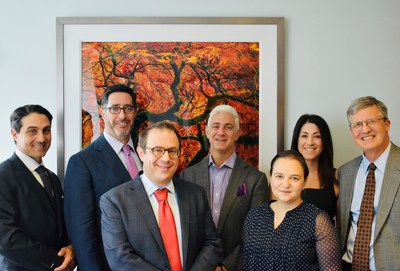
(312, 138)
(289, 233)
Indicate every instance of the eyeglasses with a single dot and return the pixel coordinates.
(369, 122)
(159, 151)
(128, 109)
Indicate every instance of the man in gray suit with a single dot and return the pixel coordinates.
(369, 125)
(132, 226)
(232, 186)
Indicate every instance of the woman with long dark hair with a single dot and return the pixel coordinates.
(312, 138)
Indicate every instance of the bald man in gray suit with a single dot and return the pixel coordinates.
(232, 185)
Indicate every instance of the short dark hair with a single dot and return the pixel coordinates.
(326, 170)
(295, 155)
(162, 125)
(117, 88)
(23, 111)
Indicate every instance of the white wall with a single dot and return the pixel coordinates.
(335, 51)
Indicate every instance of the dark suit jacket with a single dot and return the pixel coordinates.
(387, 231)
(234, 208)
(32, 229)
(90, 173)
(131, 236)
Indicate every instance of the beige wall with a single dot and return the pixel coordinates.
(335, 52)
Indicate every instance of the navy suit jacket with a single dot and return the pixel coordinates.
(132, 239)
(90, 173)
(32, 229)
(235, 205)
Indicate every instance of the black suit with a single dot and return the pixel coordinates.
(32, 229)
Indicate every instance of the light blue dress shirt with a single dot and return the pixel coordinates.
(358, 193)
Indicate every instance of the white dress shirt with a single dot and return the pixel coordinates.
(150, 188)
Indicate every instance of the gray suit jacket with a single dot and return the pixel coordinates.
(387, 232)
(234, 208)
(132, 239)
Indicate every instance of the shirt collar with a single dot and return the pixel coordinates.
(380, 163)
(230, 162)
(115, 143)
(151, 187)
(29, 162)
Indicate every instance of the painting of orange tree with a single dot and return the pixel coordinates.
(176, 81)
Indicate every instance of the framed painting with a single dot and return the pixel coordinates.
(180, 68)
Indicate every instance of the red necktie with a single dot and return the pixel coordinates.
(364, 224)
(130, 163)
(168, 230)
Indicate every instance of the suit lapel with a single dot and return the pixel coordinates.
(238, 176)
(107, 155)
(347, 181)
(203, 173)
(139, 198)
(183, 197)
(390, 186)
(28, 179)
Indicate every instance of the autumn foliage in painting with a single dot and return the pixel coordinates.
(177, 81)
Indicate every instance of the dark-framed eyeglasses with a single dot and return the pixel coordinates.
(128, 109)
(159, 151)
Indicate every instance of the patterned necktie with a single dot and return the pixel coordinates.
(364, 224)
(45, 179)
(132, 168)
(168, 230)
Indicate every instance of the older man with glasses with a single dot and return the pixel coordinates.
(369, 201)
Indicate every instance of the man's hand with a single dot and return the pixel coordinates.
(69, 259)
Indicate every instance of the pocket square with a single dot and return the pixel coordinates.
(242, 190)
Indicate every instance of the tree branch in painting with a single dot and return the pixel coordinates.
(177, 81)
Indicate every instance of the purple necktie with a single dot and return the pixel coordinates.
(132, 168)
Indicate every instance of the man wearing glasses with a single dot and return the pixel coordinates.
(107, 162)
(369, 198)
(158, 221)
